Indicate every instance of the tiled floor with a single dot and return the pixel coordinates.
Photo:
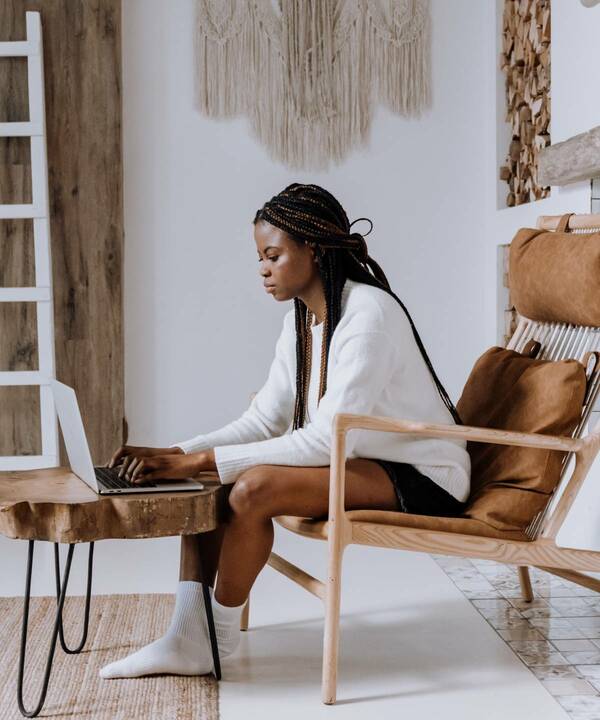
(557, 635)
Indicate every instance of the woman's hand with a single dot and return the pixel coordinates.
(129, 455)
(166, 467)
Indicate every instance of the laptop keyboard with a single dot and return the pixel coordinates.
(109, 477)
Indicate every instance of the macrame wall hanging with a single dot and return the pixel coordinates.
(307, 73)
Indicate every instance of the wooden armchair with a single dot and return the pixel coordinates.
(459, 535)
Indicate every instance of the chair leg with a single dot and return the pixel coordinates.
(244, 620)
(524, 579)
(333, 593)
(211, 626)
(57, 622)
(86, 618)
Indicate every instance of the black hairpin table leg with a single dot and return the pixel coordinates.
(61, 590)
(211, 627)
(88, 596)
(61, 600)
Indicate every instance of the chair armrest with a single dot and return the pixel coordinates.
(342, 422)
(340, 532)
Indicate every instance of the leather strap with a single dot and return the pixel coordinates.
(532, 348)
(563, 223)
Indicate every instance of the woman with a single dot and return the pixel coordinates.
(347, 345)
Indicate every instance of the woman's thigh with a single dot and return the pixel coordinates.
(304, 491)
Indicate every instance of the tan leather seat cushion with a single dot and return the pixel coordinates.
(510, 391)
(318, 527)
(553, 276)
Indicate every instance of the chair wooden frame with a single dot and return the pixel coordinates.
(339, 531)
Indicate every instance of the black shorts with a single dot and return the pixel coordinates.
(419, 494)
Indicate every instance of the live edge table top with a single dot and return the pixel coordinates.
(54, 504)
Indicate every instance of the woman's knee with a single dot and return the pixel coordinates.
(252, 491)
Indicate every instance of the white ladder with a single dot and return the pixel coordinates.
(38, 211)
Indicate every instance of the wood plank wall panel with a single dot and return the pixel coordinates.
(82, 56)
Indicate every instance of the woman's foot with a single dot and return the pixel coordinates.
(227, 625)
(185, 648)
(170, 654)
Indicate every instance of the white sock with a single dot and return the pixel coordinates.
(183, 650)
(227, 625)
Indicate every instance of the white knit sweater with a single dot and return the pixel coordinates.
(375, 368)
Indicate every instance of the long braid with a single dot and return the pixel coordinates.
(300, 358)
(310, 214)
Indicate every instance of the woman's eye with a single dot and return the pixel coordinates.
(273, 257)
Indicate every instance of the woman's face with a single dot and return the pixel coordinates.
(287, 268)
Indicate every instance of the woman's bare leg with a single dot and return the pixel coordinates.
(260, 494)
(266, 491)
(199, 555)
(246, 549)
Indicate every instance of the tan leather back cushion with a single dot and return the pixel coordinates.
(553, 276)
(510, 391)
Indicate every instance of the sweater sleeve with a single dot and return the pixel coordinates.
(364, 364)
(270, 413)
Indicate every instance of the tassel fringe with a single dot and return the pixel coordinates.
(306, 73)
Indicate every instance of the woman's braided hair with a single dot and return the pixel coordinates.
(310, 214)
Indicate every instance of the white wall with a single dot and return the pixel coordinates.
(199, 329)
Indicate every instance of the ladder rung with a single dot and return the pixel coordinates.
(25, 294)
(22, 377)
(21, 48)
(20, 212)
(27, 462)
(38, 211)
(20, 129)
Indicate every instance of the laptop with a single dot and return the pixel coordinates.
(103, 480)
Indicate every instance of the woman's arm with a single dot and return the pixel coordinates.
(174, 465)
(364, 364)
(207, 460)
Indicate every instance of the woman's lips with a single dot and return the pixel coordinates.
(269, 288)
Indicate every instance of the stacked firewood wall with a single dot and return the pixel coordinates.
(525, 60)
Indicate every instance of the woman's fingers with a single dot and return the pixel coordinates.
(116, 456)
(144, 469)
(135, 470)
(133, 463)
(142, 472)
(124, 465)
(127, 453)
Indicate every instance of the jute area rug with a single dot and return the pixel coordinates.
(119, 625)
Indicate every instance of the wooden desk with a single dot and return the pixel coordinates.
(53, 504)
